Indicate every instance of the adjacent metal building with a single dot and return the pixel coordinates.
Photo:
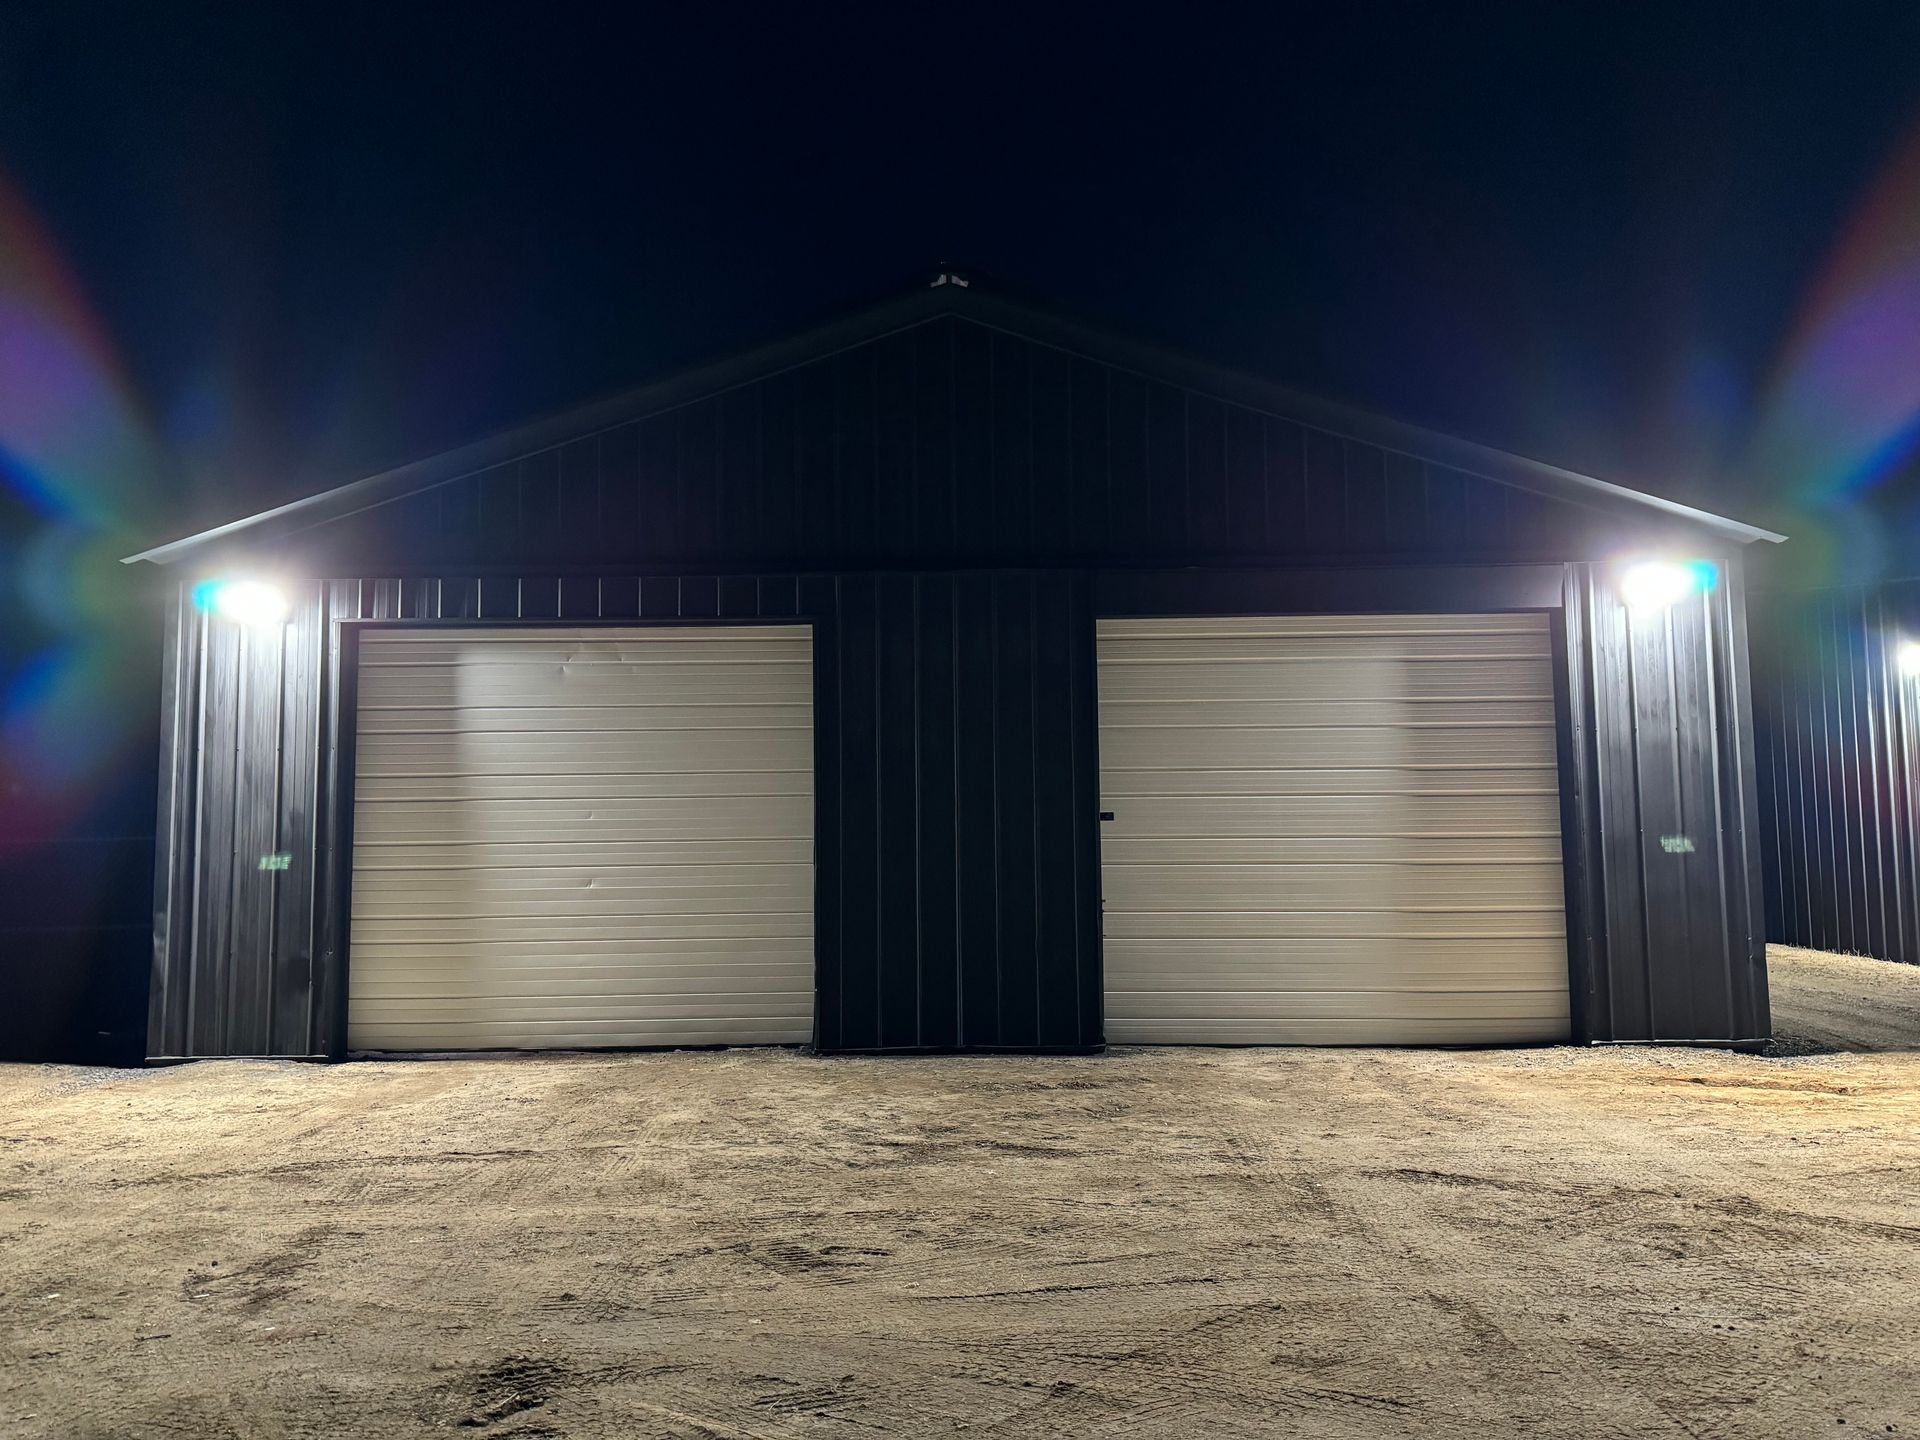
(957, 676)
(1837, 714)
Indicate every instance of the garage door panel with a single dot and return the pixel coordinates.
(1175, 928)
(1325, 747)
(1122, 785)
(1315, 680)
(1118, 850)
(510, 958)
(1370, 1030)
(1340, 712)
(638, 904)
(1244, 888)
(578, 645)
(773, 816)
(634, 902)
(456, 660)
(614, 754)
(543, 981)
(596, 721)
(624, 926)
(550, 953)
(1186, 627)
(415, 854)
(1392, 647)
(564, 1034)
(1389, 1004)
(1299, 816)
(582, 838)
(388, 789)
(607, 1006)
(598, 882)
(1331, 830)
(1322, 962)
(593, 687)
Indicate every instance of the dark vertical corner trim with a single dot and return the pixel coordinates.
(348, 687)
(223, 999)
(1092, 979)
(829, 763)
(919, 808)
(1749, 884)
(1903, 808)
(270, 948)
(1684, 951)
(1571, 732)
(1594, 775)
(999, 929)
(1031, 594)
(875, 664)
(335, 828)
(1634, 777)
(1077, 742)
(1734, 937)
(839, 958)
(175, 859)
(187, 986)
(955, 594)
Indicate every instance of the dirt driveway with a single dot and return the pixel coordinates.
(1173, 1243)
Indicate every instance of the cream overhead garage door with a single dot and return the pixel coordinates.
(582, 838)
(1336, 829)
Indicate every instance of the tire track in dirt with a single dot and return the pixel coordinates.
(1154, 1244)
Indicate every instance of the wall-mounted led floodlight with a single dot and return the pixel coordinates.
(1657, 584)
(246, 602)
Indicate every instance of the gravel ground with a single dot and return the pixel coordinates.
(1167, 1243)
(1842, 1002)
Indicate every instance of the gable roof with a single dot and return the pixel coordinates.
(949, 294)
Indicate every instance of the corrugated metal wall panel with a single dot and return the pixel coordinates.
(1839, 731)
(1667, 887)
(934, 692)
(955, 444)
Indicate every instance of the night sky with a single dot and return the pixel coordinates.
(321, 244)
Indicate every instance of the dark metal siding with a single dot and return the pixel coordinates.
(957, 901)
(1667, 882)
(952, 443)
(1839, 773)
(956, 767)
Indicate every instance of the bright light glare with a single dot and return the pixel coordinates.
(1656, 584)
(1908, 657)
(246, 602)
